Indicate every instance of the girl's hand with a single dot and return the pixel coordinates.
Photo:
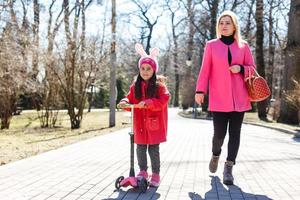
(235, 69)
(141, 104)
(122, 104)
(199, 98)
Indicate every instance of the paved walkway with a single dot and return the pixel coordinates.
(267, 168)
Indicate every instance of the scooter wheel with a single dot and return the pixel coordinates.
(143, 185)
(118, 181)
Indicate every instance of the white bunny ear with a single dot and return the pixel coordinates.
(154, 52)
(140, 50)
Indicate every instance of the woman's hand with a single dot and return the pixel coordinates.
(235, 69)
(199, 98)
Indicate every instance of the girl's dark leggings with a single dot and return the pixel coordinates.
(221, 121)
(153, 150)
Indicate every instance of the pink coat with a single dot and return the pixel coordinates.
(227, 91)
(150, 125)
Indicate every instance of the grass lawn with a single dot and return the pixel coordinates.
(25, 138)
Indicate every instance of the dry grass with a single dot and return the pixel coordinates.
(25, 137)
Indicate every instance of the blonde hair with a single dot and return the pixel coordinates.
(237, 32)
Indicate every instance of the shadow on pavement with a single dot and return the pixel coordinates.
(195, 196)
(121, 194)
(154, 195)
(136, 194)
(296, 138)
(218, 191)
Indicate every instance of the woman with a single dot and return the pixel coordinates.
(226, 62)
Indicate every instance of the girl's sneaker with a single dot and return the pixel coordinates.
(155, 180)
(142, 174)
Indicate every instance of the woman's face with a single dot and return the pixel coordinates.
(226, 26)
(146, 71)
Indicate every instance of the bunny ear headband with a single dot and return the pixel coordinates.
(147, 59)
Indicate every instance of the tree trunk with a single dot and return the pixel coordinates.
(270, 67)
(177, 80)
(214, 7)
(35, 29)
(150, 26)
(7, 107)
(189, 80)
(5, 122)
(73, 90)
(112, 92)
(247, 30)
(144, 9)
(288, 113)
(47, 101)
(175, 57)
(261, 106)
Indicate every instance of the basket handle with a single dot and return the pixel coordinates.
(256, 74)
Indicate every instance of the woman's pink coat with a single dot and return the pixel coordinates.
(227, 91)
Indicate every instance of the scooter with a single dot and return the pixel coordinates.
(132, 181)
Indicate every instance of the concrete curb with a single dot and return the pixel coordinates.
(295, 133)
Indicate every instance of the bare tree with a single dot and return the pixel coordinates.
(48, 99)
(248, 28)
(280, 40)
(262, 106)
(35, 30)
(15, 45)
(271, 47)
(175, 25)
(213, 6)
(9, 77)
(189, 81)
(231, 4)
(13, 76)
(288, 112)
(144, 12)
(208, 23)
(112, 93)
(71, 72)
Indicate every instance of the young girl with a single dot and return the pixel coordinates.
(150, 121)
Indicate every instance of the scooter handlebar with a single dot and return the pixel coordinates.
(128, 105)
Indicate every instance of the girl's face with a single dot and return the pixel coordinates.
(146, 71)
(226, 26)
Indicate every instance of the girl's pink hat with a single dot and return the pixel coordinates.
(147, 59)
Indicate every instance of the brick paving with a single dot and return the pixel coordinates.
(267, 167)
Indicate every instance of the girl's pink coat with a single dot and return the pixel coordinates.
(150, 125)
(227, 91)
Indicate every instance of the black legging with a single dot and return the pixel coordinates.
(153, 151)
(221, 120)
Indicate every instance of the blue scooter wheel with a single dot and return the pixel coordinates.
(118, 181)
